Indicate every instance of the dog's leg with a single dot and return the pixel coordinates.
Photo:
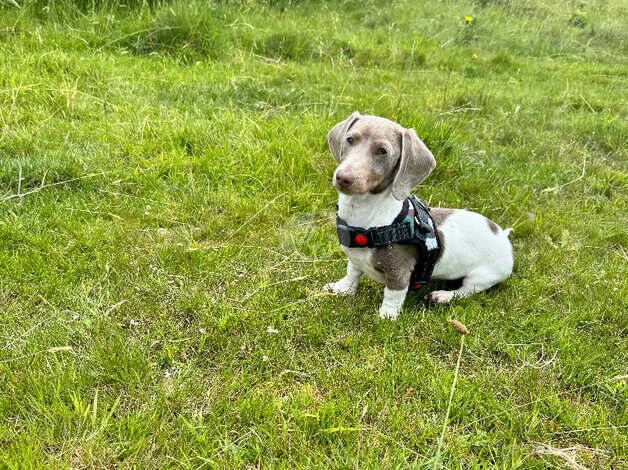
(393, 300)
(348, 284)
(478, 281)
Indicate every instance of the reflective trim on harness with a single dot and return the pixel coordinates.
(413, 226)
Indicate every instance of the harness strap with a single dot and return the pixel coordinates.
(413, 226)
(402, 229)
(430, 247)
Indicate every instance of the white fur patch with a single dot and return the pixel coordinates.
(470, 244)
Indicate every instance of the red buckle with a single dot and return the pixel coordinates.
(361, 240)
(415, 285)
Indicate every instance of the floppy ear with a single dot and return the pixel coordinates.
(335, 137)
(416, 163)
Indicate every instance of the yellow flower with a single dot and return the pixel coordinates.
(468, 19)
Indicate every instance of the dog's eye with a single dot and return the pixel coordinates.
(350, 140)
(381, 151)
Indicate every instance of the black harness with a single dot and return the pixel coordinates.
(413, 226)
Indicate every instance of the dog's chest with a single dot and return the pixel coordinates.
(362, 259)
(366, 211)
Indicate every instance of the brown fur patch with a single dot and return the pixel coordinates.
(396, 263)
(493, 226)
(441, 238)
(440, 215)
(387, 181)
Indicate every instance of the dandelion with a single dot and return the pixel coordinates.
(468, 19)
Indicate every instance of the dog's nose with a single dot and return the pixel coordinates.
(345, 178)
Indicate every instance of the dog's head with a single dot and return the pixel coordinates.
(374, 153)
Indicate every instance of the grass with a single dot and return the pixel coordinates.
(165, 198)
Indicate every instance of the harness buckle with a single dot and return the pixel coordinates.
(360, 239)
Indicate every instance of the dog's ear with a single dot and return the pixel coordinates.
(335, 137)
(416, 163)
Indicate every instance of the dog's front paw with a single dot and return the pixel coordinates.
(340, 288)
(388, 312)
(440, 296)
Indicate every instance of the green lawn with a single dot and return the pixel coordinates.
(165, 198)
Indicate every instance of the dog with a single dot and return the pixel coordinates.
(379, 162)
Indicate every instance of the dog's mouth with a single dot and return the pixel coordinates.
(343, 190)
(354, 188)
(354, 191)
(359, 185)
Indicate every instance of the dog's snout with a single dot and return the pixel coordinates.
(344, 178)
